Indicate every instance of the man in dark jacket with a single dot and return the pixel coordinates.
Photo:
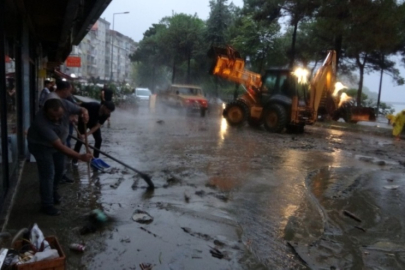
(98, 114)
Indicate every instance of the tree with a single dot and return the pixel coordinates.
(218, 22)
(294, 10)
(361, 31)
(254, 40)
(183, 37)
(150, 58)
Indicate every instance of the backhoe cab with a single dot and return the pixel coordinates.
(280, 99)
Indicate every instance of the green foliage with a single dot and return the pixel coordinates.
(218, 22)
(364, 33)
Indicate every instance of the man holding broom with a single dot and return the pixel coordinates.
(98, 114)
(46, 137)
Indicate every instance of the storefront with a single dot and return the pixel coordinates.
(35, 38)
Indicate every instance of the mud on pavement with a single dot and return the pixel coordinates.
(233, 198)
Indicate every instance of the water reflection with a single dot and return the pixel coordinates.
(223, 130)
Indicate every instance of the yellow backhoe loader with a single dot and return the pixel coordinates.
(281, 98)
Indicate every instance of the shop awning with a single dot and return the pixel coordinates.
(55, 25)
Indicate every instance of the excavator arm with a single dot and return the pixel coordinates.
(323, 82)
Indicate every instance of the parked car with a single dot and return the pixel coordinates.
(188, 98)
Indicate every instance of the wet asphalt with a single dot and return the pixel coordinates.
(230, 198)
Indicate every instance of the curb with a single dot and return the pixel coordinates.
(383, 132)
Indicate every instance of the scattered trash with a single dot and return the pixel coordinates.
(145, 266)
(203, 236)
(216, 253)
(366, 159)
(360, 228)
(114, 171)
(200, 193)
(98, 215)
(77, 247)
(142, 217)
(143, 229)
(391, 187)
(125, 240)
(116, 184)
(186, 196)
(88, 228)
(347, 213)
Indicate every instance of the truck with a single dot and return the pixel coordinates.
(283, 98)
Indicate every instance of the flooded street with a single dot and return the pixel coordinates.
(237, 198)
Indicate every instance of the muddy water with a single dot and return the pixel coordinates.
(263, 201)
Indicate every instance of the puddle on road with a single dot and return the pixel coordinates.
(360, 222)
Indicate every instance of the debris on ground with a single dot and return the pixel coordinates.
(146, 230)
(160, 121)
(116, 184)
(216, 253)
(145, 266)
(88, 228)
(200, 193)
(347, 213)
(186, 196)
(96, 219)
(366, 159)
(125, 240)
(142, 217)
(360, 228)
(394, 187)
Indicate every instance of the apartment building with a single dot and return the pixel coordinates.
(95, 55)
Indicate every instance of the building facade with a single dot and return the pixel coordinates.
(96, 52)
(35, 39)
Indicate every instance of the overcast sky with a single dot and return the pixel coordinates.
(143, 13)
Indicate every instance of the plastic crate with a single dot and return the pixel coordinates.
(54, 264)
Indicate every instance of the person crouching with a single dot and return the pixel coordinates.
(98, 114)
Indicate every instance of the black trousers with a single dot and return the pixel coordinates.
(97, 139)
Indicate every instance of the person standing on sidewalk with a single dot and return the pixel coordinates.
(64, 91)
(98, 114)
(106, 95)
(44, 93)
(46, 137)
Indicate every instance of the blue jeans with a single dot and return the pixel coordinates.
(51, 164)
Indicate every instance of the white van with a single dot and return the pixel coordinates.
(142, 94)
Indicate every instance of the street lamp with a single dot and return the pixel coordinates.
(112, 43)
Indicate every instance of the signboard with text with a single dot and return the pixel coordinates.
(73, 61)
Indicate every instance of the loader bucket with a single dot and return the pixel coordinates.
(362, 114)
(228, 64)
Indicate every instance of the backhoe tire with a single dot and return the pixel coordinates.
(275, 118)
(236, 113)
